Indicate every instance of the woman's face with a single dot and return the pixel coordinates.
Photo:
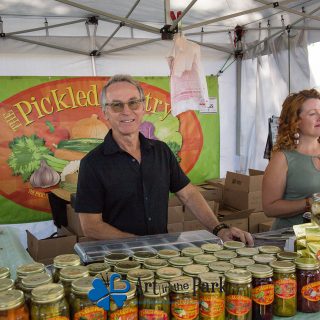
(310, 118)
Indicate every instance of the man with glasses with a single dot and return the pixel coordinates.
(124, 183)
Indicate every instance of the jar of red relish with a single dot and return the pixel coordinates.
(308, 284)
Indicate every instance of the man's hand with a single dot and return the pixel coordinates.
(236, 234)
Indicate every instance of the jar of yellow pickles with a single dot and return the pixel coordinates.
(12, 306)
(168, 273)
(98, 269)
(114, 257)
(4, 272)
(155, 263)
(62, 261)
(180, 262)
(194, 270)
(168, 253)
(123, 267)
(27, 269)
(211, 247)
(6, 284)
(191, 251)
(205, 259)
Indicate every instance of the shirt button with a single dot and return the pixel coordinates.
(133, 160)
(149, 219)
(146, 198)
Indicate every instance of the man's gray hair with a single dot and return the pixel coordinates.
(119, 78)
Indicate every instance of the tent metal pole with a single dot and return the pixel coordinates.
(107, 15)
(233, 15)
(238, 104)
(166, 11)
(184, 12)
(118, 28)
(93, 62)
(213, 46)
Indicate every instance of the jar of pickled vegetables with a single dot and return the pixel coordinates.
(6, 284)
(288, 256)
(285, 288)
(27, 269)
(129, 309)
(220, 266)
(225, 255)
(155, 263)
(238, 294)
(269, 249)
(205, 259)
(168, 273)
(168, 253)
(184, 299)
(264, 258)
(315, 209)
(48, 302)
(140, 275)
(80, 305)
(242, 262)
(141, 256)
(123, 267)
(308, 284)
(62, 261)
(194, 270)
(155, 301)
(247, 252)
(98, 269)
(4, 272)
(12, 306)
(191, 251)
(113, 258)
(262, 291)
(211, 247)
(180, 262)
(233, 245)
(212, 296)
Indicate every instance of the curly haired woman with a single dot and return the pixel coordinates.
(293, 173)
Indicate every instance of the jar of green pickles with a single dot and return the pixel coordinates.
(48, 302)
(233, 245)
(238, 294)
(168, 253)
(212, 296)
(98, 269)
(225, 255)
(221, 266)
(80, 305)
(211, 247)
(205, 259)
(27, 269)
(269, 249)
(113, 258)
(194, 270)
(242, 262)
(288, 256)
(155, 263)
(4, 272)
(62, 261)
(12, 306)
(123, 267)
(264, 258)
(141, 256)
(247, 252)
(168, 273)
(285, 288)
(140, 275)
(180, 262)
(6, 284)
(191, 251)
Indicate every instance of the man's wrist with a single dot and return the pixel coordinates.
(219, 227)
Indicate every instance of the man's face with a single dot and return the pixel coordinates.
(125, 121)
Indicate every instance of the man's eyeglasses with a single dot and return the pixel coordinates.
(119, 105)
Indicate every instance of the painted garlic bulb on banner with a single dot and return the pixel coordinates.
(44, 177)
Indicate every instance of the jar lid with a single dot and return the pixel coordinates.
(168, 253)
(180, 261)
(195, 269)
(142, 274)
(155, 263)
(242, 262)
(205, 258)
(288, 255)
(269, 249)
(6, 284)
(82, 285)
(47, 293)
(233, 245)
(98, 267)
(120, 285)
(4, 272)
(260, 271)
(115, 257)
(66, 260)
(283, 266)
(183, 284)
(26, 269)
(71, 273)
(264, 258)
(143, 255)
(168, 272)
(10, 299)
(211, 247)
(212, 280)
(225, 254)
(238, 276)
(157, 288)
(191, 251)
(247, 252)
(35, 280)
(124, 266)
(221, 266)
(307, 264)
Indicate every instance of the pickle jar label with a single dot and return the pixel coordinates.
(149, 314)
(211, 306)
(181, 309)
(311, 291)
(90, 313)
(263, 295)
(285, 288)
(125, 314)
(238, 305)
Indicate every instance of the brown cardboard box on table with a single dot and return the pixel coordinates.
(74, 224)
(175, 214)
(210, 192)
(175, 227)
(255, 219)
(188, 215)
(218, 183)
(265, 226)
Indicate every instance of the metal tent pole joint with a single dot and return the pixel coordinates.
(2, 35)
(275, 4)
(167, 33)
(93, 20)
(94, 53)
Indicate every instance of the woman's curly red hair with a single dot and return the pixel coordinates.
(290, 118)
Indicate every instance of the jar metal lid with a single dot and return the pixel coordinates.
(247, 252)
(221, 266)
(98, 267)
(195, 269)
(283, 266)
(113, 258)
(212, 278)
(288, 255)
(211, 247)
(260, 271)
(191, 251)
(225, 254)
(183, 284)
(124, 266)
(142, 274)
(269, 249)
(6, 284)
(264, 258)
(233, 245)
(157, 288)
(82, 285)
(238, 276)
(168, 253)
(10, 299)
(120, 285)
(47, 293)
(4, 272)
(71, 273)
(155, 263)
(35, 280)
(143, 255)
(242, 262)
(307, 264)
(180, 261)
(205, 258)
(167, 273)
(26, 269)
(66, 260)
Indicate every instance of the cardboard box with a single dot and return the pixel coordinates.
(175, 214)
(175, 227)
(74, 224)
(243, 182)
(174, 201)
(188, 215)
(192, 225)
(44, 250)
(210, 192)
(219, 183)
(235, 218)
(257, 218)
(243, 200)
(265, 226)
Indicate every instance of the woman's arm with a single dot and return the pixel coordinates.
(273, 187)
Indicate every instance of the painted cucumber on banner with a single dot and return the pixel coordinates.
(49, 123)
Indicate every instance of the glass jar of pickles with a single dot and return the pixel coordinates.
(238, 294)
(225, 255)
(184, 299)
(48, 302)
(308, 284)
(140, 275)
(6, 284)
(141, 256)
(269, 249)
(62, 261)
(264, 258)
(247, 252)
(194, 270)
(285, 288)
(4, 272)
(205, 259)
(180, 262)
(315, 208)
(168, 253)
(98, 269)
(27, 269)
(123, 267)
(288, 256)
(113, 258)
(211, 247)
(155, 263)
(242, 262)
(212, 296)
(221, 266)
(191, 251)
(233, 245)
(12, 306)
(80, 305)
(168, 273)
(262, 291)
